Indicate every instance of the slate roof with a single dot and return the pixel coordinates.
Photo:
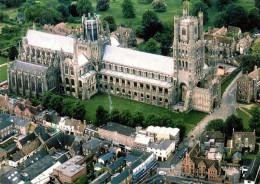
(118, 163)
(50, 41)
(211, 135)
(37, 168)
(12, 177)
(137, 59)
(121, 177)
(4, 121)
(162, 145)
(239, 139)
(107, 156)
(253, 170)
(59, 141)
(29, 67)
(43, 130)
(35, 157)
(45, 137)
(101, 179)
(31, 137)
(207, 161)
(18, 155)
(91, 144)
(121, 129)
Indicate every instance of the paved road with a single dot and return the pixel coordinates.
(228, 107)
(3, 64)
(158, 178)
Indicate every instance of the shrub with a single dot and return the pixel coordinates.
(159, 5)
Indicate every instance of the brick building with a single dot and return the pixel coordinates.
(118, 134)
(70, 170)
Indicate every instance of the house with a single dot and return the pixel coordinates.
(69, 171)
(16, 158)
(243, 141)
(124, 177)
(123, 37)
(7, 127)
(252, 175)
(195, 166)
(102, 179)
(29, 143)
(209, 136)
(106, 158)
(4, 105)
(91, 131)
(162, 149)
(244, 45)
(34, 158)
(116, 166)
(3, 154)
(161, 133)
(141, 142)
(118, 134)
(26, 110)
(12, 177)
(237, 156)
(72, 126)
(248, 86)
(90, 147)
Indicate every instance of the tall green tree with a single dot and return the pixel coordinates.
(233, 122)
(78, 110)
(151, 24)
(256, 48)
(111, 22)
(103, 5)
(84, 7)
(151, 119)
(126, 118)
(180, 124)
(138, 118)
(159, 5)
(13, 53)
(254, 18)
(216, 125)
(221, 19)
(64, 10)
(200, 6)
(128, 9)
(249, 61)
(102, 116)
(237, 16)
(115, 116)
(151, 46)
(257, 4)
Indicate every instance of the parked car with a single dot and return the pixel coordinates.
(162, 173)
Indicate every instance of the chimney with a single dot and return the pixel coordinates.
(255, 67)
(85, 122)
(88, 14)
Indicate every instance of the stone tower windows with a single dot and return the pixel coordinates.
(183, 31)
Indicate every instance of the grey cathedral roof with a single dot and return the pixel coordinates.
(28, 67)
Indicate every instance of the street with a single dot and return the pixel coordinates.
(173, 166)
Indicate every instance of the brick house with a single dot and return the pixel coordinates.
(4, 105)
(118, 134)
(199, 167)
(26, 110)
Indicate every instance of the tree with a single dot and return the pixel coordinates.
(256, 47)
(138, 118)
(111, 22)
(151, 24)
(233, 122)
(216, 125)
(151, 119)
(254, 18)
(207, 2)
(166, 121)
(13, 53)
(257, 4)
(249, 61)
(200, 6)
(237, 16)
(55, 102)
(82, 180)
(46, 99)
(254, 123)
(159, 5)
(128, 9)
(221, 20)
(64, 10)
(103, 5)
(151, 46)
(220, 4)
(179, 124)
(84, 7)
(126, 118)
(101, 116)
(115, 116)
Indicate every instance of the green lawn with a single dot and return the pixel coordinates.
(2, 60)
(190, 119)
(3, 73)
(227, 83)
(245, 118)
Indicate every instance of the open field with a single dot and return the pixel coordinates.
(3, 73)
(2, 60)
(190, 119)
(245, 117)
(226, 84)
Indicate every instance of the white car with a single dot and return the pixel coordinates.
(162, 173)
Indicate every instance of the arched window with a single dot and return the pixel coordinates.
(67, 81)
(19, 81)
(72, 82)
(80, 83)
(40, 85)
(183, 31)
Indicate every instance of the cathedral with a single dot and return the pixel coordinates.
(86, 64)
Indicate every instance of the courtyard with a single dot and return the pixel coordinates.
(190, 119)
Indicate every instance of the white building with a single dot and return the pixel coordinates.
(162, 133)
(141, 142)
(163, 149)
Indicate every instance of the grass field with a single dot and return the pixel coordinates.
(190, 119)
(2, 60)
(3, 73)
(244, 117)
